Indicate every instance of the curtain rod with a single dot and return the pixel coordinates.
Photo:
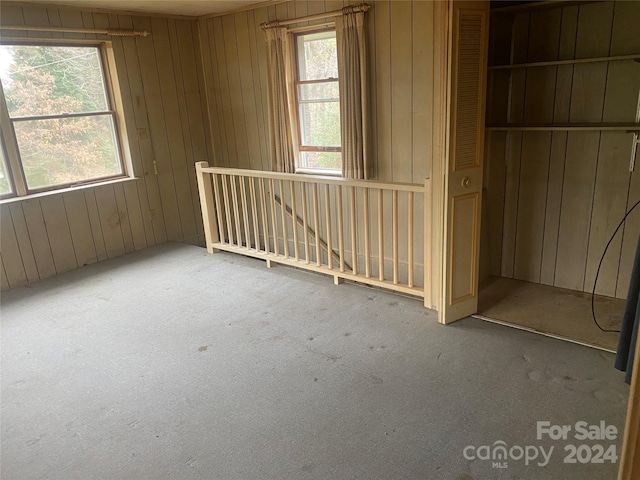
(363, 7)
(115, 32)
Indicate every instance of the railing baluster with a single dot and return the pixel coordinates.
(354, 246)
(216, 194)
(263, 211)
(294, 223)
(276, 248)
(367, 250)
(254, 213)
(245, 212)
(234, 196)
(340, 227)
(380, 236)
(327, 209)
(426, 244)
(316, 223)
(395, 237)
(410, 240)
(285, 235)
(227, 208)
(305, 222)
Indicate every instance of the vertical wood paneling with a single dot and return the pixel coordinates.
(577, 198)
(594, 29)
(192, 121)
(55, 217)
(401, 92)
(495, 171)
(510, 215)
(532, 199)
(239, 118)
(223, 93)
(213, 89)
(24, 242)
(147, 51)
(80, 228)
(383, 90)
(37, 229)
(161, 87)
(174, 123)
(248, 91)
(125, 221)
(96, 225)
(111, 219)
(557, 159)
(258, 72)
(11, 259)
(140, 151)
(610, 197)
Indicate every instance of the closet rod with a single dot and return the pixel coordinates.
(565, 62)
(115, 32)
(628, 127)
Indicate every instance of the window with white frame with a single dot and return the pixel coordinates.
(318, 102)
(58, 121)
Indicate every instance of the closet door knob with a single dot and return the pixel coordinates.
(466, 182)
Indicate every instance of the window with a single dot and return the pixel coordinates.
(58, 117)
(318, 101)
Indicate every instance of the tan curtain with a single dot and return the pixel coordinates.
(354, 94)
(282, 150)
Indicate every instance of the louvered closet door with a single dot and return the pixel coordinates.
(464, 183)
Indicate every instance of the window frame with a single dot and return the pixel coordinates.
(296, 33)
(14, 166)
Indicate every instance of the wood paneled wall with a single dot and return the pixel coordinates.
(400, 36)
(553, 199)
(162, 91)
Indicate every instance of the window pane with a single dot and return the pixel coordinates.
(51, 80)
(319, 91)
(320, 124)
(5, 184)
(67, 150)
(326, 160)
(317, 56)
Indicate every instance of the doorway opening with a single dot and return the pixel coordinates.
(562, 123)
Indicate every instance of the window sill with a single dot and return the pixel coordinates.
(32, 196)
(319, 171)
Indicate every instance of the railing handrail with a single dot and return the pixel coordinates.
(306, 178)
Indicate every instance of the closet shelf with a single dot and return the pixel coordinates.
(566, 127)
(565, 62)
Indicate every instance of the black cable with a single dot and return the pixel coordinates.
(595, 281)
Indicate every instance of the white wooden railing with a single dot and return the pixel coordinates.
(334, 226)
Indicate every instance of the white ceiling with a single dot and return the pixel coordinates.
(170, 7)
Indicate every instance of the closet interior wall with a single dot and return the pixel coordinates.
(553, 198)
